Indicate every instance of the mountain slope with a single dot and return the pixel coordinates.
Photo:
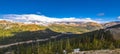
(115, 31)
(75, 27)
(111, 23)
(95, 40)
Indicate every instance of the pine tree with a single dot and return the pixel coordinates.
(68, 46)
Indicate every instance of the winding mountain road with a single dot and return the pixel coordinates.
(32, 41)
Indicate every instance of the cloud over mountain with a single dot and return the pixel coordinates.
(34, 17)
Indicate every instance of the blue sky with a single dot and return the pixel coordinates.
(106, 10)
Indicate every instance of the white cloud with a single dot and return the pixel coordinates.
(118, 17)
(34, 17)
(100, 14)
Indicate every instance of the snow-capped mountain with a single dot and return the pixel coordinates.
(42, 20)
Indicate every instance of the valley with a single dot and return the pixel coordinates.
(37, 39)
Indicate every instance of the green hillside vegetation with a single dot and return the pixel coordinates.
(17, 28)
(8, 28)
(79, 28)
(67, 28)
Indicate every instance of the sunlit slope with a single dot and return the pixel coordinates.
(8, 28)
(76, 28)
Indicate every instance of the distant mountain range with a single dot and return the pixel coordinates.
(63, 26)
(76, 27)
(62, 22)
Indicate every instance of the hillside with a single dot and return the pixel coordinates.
(28, 35)
(74, 27)
(95, 40)
(69, 36)
(111, 23)
(7, 28)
